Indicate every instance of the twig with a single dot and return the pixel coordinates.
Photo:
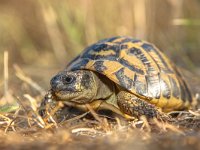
(33, 103)
(8, 121)
(194, 113)
(53, 31)
(6, 74)
(21, 75)
(75, 118)
(24, 108)
(11, 123)
(166, 126)
(146, 123)
(93, 113)
(87, 131)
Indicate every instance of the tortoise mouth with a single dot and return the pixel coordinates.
(67, 96)
(64, 89)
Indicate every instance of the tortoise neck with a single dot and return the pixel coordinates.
(105, 88)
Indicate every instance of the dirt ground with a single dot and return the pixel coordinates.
(38, 38)
(83, 133)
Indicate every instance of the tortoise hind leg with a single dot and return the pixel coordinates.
(135, 106)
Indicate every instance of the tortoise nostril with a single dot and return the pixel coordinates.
(55, 81)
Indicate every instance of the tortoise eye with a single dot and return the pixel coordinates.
(69, 79)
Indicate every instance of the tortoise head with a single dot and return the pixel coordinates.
(74, 86)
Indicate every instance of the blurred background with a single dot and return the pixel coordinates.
(42, 36)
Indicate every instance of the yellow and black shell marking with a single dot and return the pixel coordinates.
(139, 67)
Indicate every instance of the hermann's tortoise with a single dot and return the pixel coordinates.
(127, 76)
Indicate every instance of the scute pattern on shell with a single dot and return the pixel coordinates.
(139, 67)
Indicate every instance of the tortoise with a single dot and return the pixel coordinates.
(128, 76)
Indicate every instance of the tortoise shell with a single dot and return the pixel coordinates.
(139, 67)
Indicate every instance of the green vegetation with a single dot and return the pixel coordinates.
(42, 36)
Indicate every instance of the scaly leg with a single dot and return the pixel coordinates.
(135, 106)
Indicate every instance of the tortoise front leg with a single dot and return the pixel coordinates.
(135, 106)
(99, 105)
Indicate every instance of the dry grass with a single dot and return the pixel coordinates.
(25, 129)
(38, 38)
(22, 127)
